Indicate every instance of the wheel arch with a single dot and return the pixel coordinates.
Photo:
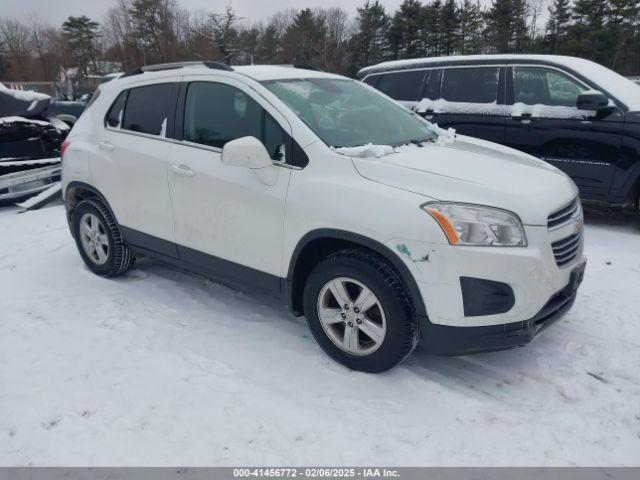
(75, 192)
(317, 244)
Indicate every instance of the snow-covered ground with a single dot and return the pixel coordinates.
(165, 368)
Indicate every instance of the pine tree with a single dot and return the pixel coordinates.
(520, 31)
(370, 41)
(590, 12)
(500, 24)
(622, 20)
(559, 18)
(450, 27)
(406, 31)
(303, 39)
(470, 26)
(82, 35)
(432, 28)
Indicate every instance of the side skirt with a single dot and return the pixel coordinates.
(218, 269)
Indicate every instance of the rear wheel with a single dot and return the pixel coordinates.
(359, 312)
(99, 240)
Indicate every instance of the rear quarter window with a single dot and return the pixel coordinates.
(147, 109)
(115, 113)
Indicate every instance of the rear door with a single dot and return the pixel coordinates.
(132, 171)
(545, 122)
(470, 100)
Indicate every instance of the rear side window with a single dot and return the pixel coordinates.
(148, 108)
(114, 116)
(470, 85)
(402, 85)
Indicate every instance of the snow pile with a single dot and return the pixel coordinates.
(370, 150)
(546, 111)
(165, 368)
(365, 151)
(446, 137)
(25, 95)
(445, 106)
(540, 111)
(23, 120)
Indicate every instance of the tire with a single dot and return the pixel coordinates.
(392, 319)
(110, 257)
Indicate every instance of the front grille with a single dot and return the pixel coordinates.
(563, 215)
(567, 250)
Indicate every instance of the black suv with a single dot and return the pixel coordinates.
(575, 114)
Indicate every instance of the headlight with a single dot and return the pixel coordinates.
(465, 224)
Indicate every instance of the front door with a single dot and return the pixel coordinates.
(228, 220)
(545, 122)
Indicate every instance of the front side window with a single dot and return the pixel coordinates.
(346, 113)
(216, 113)
(545, 86)
(402, 85)
(470, 85)
(147, 109)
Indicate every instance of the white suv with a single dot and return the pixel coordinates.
(379, 227)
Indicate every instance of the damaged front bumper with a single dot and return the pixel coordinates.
(27, 178)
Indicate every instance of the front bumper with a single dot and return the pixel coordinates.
(23, 184)
(448, 340)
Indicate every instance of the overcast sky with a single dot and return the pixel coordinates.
(56, 11)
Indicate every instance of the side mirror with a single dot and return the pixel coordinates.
(592, 100)
(248, 152)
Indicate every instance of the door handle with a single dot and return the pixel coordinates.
(182, 170)
(108, 146)
(523, 118)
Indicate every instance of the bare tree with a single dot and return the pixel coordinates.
(18, 46)
(221, 31)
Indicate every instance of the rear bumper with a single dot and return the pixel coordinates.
(447, 340)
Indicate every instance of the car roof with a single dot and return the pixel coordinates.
(597, 76)
(258, 73)
(427, 62)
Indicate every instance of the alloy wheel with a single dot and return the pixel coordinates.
(352, 316)
(93, 238)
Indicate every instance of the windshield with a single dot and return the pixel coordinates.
(346, 113)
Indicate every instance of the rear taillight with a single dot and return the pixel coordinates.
(63, 148)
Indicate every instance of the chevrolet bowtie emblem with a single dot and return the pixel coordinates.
(579, 223)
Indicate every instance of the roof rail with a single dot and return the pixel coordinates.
(306, 67)
(175, 65)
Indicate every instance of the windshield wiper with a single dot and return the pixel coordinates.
(420, 141)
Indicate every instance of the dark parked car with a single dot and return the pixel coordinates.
(31, 136)
(575, 114)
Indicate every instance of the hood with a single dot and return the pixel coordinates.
(474, 171)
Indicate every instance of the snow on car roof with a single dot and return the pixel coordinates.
(280, 72)
(616, 85)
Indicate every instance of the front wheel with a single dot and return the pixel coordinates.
(359, 311)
